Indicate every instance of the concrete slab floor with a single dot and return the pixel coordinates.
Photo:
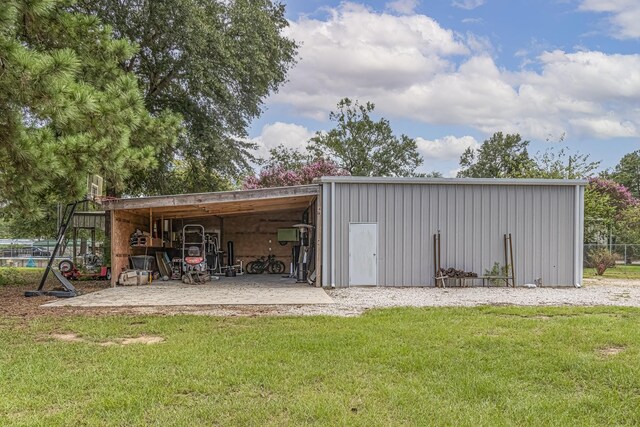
(249, 290)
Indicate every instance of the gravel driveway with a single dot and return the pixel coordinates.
(354, 301)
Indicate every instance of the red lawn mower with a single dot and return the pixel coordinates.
(93, 269)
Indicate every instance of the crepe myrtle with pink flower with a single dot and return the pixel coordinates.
(281, 176)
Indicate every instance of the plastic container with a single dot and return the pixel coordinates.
(144, 278)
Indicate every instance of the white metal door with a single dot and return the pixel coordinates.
(363, 249)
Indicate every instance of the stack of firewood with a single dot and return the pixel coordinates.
(455, 273)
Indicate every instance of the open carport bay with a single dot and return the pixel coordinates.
(245, 290)
(253, 221)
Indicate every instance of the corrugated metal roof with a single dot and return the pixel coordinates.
(449, 181)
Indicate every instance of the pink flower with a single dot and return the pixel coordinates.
(280, 177)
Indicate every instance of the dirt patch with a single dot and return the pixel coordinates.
(610, 351)
(15, 304)
(143, 339)
(598, 281)
(67, 337)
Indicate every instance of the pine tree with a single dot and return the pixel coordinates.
(67, 108)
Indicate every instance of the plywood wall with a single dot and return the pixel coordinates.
(123, 224)
(256, 235)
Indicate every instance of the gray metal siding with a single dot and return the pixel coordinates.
(472, 220)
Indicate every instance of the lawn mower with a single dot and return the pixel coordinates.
(193, 255)
(90, 271)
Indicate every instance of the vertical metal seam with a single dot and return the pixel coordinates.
(580, 239)
(325, 233)
(576, 248)
(333, 234)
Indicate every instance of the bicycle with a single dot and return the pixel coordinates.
(269, 264)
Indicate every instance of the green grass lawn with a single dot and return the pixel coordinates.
(618, 272)
(438, 366)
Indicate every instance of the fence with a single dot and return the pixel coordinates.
(37, 249)
(17, 253)
(625, 254)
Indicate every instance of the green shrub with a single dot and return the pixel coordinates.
(601, 259)
(497, 270)
(14, 276)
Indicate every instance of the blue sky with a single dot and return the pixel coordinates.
(451, 72)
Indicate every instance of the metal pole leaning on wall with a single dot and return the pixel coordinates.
(435, 260)
(508, 261)
(440, 259)
(513, 267)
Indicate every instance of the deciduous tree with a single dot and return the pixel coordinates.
(627, 172)
(287, 166)
(211, 61)
(620, 197)
(364, 147)
(609, 208)
(281, 177)
(552, 164)
(501, 156)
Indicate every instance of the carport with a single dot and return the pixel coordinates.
(245, 290)
(251, 219)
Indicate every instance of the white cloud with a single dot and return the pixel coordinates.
(403, 7)
(472, 21)
(624, 15)
(360, 53)
(288, 134)
(411, 67)
(467, 4)
(444, 149)
(605, 127)
(479, 44)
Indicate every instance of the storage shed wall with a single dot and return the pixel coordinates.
(472, 220)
